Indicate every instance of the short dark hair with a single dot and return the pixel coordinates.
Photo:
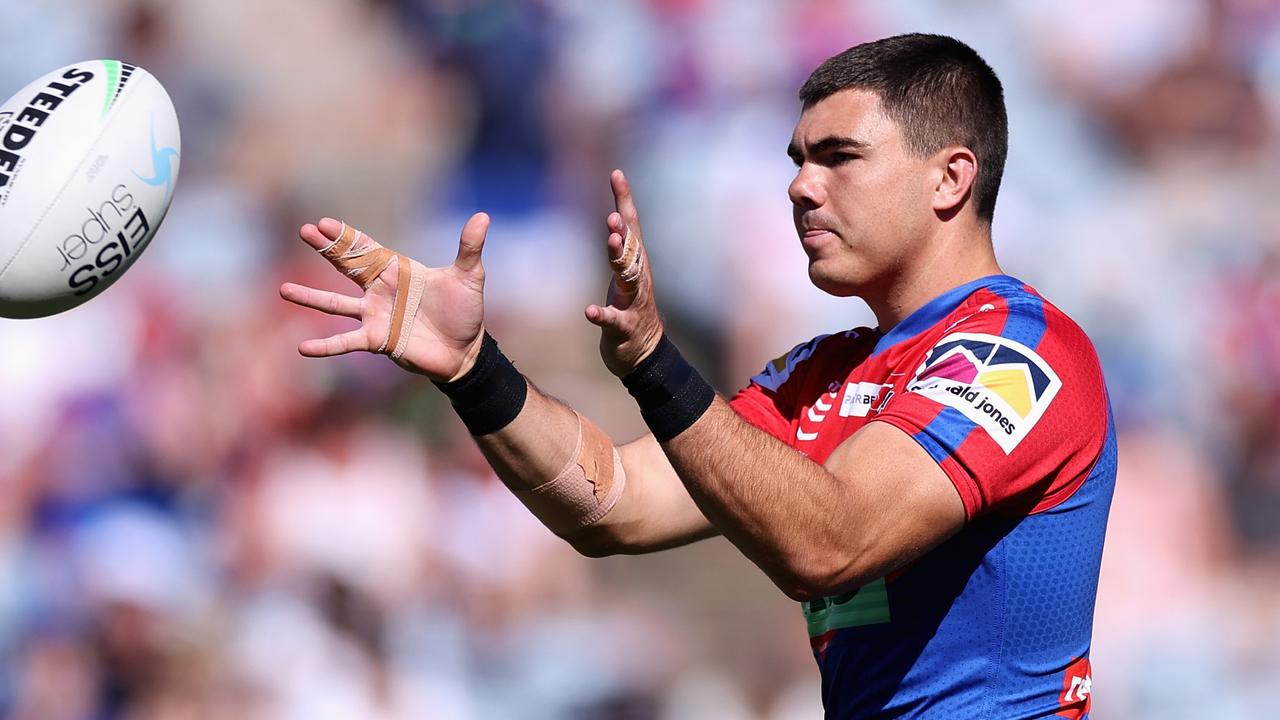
(939, 90)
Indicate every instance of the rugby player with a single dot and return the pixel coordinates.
(934, 490)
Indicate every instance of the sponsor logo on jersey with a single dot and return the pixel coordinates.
(1077, 687)
(866, 605)
(861, 397)
(1000, 384)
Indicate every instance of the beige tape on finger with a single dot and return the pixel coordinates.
(362, 259)
(413, 278)
(585, 490)
(357, 256)
(630, 262)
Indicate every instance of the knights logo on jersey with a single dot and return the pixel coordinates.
(1000, 384)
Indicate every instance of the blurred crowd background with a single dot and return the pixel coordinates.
(195, 522)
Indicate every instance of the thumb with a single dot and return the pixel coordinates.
(606, 316)
(471, 243)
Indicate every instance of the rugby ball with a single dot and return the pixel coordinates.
(89, 156)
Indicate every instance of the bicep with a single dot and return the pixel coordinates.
(907, 505)
(655, 511)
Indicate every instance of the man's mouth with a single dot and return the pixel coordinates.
(812, 237)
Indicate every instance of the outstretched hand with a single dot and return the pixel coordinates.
(443, 313)
(629, 321)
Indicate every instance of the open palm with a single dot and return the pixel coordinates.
(443, 317)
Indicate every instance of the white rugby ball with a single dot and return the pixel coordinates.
(89, 156)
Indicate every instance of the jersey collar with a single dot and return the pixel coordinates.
(933, 311)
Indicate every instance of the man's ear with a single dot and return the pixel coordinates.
(959, 170)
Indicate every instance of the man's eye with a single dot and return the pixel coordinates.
(841, 158)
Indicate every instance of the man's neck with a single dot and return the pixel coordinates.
(952, 261)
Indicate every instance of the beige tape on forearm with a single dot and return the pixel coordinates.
(585, 490)
(362, 259)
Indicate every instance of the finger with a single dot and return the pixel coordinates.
(322, 234)
(617, 233)
(322, 300)
(471, 244)
(330, 228)
(622, 198)
(626, 259)
(614, 246)
(340, 344)
(626, 255)
(313, 236)
(605, 316)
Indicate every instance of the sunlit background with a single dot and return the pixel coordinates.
(195, 522)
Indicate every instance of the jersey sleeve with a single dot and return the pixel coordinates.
(769, 399)
(763, 408)
(1011, 404)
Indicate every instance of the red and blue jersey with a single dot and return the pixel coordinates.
(1006, 393)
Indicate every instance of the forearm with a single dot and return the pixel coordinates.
(563, 467)
(770, 501)
(535, 446)
(775, 505)
(602, 498)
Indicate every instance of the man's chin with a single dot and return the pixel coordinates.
(829, 282)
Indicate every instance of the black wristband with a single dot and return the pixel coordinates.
(491, 394)
(670, 393)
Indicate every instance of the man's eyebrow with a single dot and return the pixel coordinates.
(831, 142)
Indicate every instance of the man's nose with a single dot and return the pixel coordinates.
(806, 189)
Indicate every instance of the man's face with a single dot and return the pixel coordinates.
(862, 202)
